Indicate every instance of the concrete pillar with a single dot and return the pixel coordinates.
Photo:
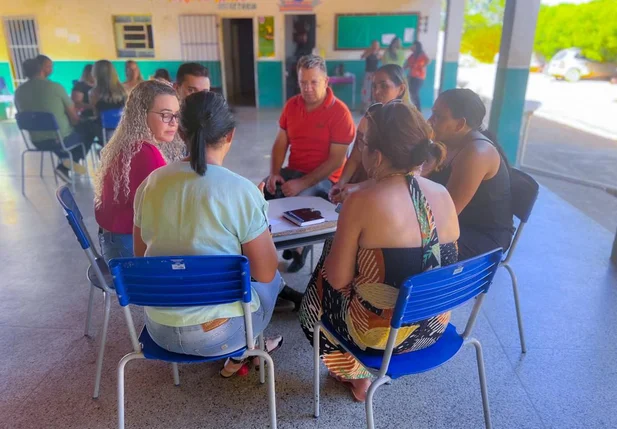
(455, 15)
(519, 29)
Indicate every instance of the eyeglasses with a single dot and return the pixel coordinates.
(167, 117)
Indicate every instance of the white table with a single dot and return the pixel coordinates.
(287, 235)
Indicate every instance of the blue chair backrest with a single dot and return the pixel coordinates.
(436, 291)
(2, 85)
(524, 190)
(111, 118)
(181, 281)
(73, 215)
(36, 121)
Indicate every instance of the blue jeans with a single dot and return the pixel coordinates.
(115, 245)
(228, 337)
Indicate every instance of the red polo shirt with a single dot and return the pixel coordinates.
(310, 134)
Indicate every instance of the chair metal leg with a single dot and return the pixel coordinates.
(517, 304)
(126, 359)
(89, 315)
(316, 333)
(23, 180)
(368, 405)
(85, 158)
(482, 376)
(41, 169)
(174, 367)
(53, 167)
(262, 369)
(99, 360)
(73, 172)
(312, 258)
(271, 389)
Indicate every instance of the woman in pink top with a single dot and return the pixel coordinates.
(144, 140)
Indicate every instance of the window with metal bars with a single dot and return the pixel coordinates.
(23, 43)
(134, 38)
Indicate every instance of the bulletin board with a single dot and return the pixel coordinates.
(357, 31)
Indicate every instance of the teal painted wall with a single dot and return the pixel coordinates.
(507, 113)
(344, 92)
(449, 72)
(5, 73)
(65, 72)
(270, 84)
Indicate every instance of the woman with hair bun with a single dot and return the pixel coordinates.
(476, 173)
(400, 226)
(198, 207)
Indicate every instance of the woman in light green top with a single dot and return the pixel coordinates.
(395, 54)
(198, 207)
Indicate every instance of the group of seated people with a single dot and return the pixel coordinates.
(415, 195)
(98, 90)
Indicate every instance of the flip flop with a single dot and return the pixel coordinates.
(240, 372)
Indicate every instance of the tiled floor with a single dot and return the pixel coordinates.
(568, 378)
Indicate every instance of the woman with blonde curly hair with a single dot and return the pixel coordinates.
(144, 141)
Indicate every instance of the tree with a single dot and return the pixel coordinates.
(482, 28)
(587, 26)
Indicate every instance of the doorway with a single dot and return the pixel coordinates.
(300, 36)
(239, 61)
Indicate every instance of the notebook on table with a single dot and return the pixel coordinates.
(304, 217)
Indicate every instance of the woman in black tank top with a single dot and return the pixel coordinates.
(476, 173)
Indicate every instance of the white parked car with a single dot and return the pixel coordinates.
(571, 65)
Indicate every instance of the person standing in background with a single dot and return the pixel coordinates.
(394, 54)
(371, 55)
(416, 63)
(133, 75)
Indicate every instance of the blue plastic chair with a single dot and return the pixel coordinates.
(43, 121)
(109, 122)
(524, 190)
(185, 281)
(98, 273)
(421, 297)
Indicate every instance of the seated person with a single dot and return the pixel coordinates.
(80, 92)
(389, 83)
(476, 173)
(39, 94)
(133, 75)
(162, 75)
(108, 93)
(150, 120)
(198, 207)
(317, 128)
(191, 78)
(47, 65)
(416, 231)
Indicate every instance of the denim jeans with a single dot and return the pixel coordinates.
(115, 245)
(228, 337)
(70, 140)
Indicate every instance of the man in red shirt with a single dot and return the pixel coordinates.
(316, 128)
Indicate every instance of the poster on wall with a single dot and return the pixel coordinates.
(266, 36)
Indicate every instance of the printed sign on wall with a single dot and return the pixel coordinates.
(298, 5)
(266, 36)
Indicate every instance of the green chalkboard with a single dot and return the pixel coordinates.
(358, 31)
